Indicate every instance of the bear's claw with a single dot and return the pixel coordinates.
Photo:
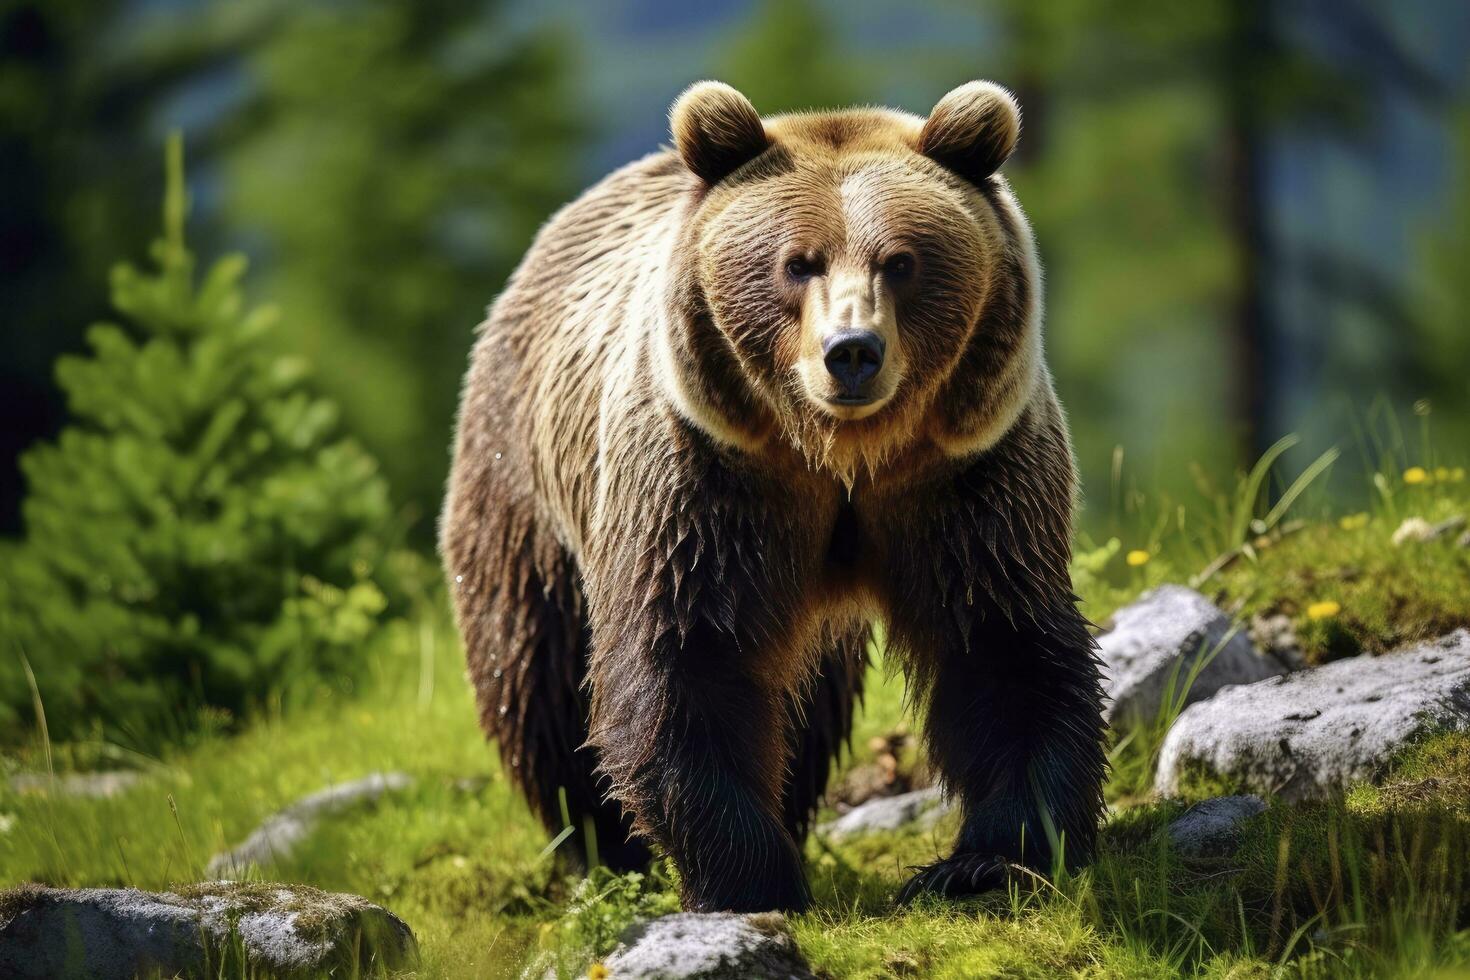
(959, 874)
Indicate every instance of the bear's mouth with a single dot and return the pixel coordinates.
(843, 403)
(853, 408)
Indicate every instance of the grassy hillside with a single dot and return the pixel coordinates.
(1373, 885)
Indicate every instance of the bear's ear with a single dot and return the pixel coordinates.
(716, 130)
(972, 130)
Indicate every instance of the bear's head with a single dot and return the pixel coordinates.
(857, 281)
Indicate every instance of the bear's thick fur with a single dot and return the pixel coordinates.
(741, 400)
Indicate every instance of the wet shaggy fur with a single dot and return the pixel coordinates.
(667, 544)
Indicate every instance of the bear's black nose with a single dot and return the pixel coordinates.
(853, 357)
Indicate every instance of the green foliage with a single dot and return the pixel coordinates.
(1133, 757)
(601, 907)
(1315, 890)
(1271, 547)
(71, 109)
(395, 157)
(488, 903)
(1369, 885)
(1113, 212)
(385, 161)
(200, 535)
(1440, 347)
(786, 61)
(1349, 589)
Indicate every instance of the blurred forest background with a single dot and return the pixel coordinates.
(244, 245)
(1254, 216)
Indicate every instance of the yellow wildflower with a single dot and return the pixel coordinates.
(1416, 474)
(1137, 557)
(598, 971)
(1441, 474)
(1325, 609)
(1354, 522)
(1457, 474)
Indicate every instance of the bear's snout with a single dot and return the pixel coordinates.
(853, 358)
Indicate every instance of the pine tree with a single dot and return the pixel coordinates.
(199, 535)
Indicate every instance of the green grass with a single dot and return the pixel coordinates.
(1315, 890)
(1373, 885)
(461, 866)
(1388, 596)
(464, 865)
(1384, 596)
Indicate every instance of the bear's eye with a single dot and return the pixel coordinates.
(800, 268)
(899, 266)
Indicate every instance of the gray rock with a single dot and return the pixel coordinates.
(710, 946)
(106, 933)
(1417, 529)
(276, 838)
(1211, 828)
(1311, 733)
(470, 785)
(1162, 635)
(923, 806)
(98, 785)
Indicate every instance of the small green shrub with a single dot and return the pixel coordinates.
(199, 536)
(603, 905)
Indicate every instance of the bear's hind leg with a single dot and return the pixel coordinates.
(821, 722)
(527, 653)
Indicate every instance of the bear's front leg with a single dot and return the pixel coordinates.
(1015, 729)
(692, 744)
(692, 605)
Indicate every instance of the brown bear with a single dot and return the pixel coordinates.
(741, 401)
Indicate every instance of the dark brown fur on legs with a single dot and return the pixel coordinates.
(530, 692)
(820, 722)
(1004, 664)
(741, 400)
(519, 605)
(691, 678)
